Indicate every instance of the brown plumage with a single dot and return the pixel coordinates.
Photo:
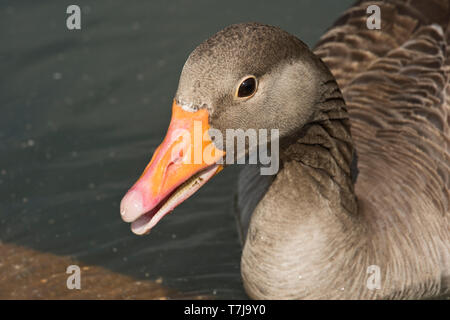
(395, 82)
(378, 103)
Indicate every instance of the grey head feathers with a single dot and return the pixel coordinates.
(289, 78)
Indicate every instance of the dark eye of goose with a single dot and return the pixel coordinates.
(247, 87)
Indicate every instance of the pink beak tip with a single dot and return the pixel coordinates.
(131, 206)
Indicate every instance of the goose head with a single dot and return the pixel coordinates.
(247, 76)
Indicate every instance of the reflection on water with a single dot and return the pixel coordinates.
(81, 113)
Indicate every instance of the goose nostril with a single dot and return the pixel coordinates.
(177, 158)
(178, 154)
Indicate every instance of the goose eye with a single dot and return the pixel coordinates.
(247, 88)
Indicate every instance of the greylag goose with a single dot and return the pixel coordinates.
(362, 188)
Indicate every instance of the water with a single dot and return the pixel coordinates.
(81, 112)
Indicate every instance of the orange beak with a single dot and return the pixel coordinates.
(186, 160)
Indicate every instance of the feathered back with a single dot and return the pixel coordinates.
(396, 85)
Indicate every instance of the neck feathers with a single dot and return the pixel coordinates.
(309, 238)
(308, 217)
(324, 147)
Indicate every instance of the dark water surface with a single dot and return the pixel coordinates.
(81, 114)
